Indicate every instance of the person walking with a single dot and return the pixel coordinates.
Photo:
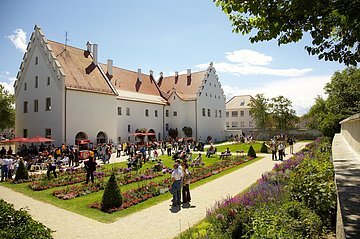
(90, 167)
(186, 184)
(291, 142)
(4, 168)
(273, 149)
(51, 167)
(281, 149)
(176, 177)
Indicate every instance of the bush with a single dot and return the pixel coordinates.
(22, 172)
(264, 148)
(251, 152)
(112, 196)
(16, 224)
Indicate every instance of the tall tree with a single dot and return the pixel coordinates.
(7, 111)
(282, 113)
(258, 110)
(316, 113)
(334, 26)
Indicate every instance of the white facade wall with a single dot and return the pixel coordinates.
(211, 98)
(90, 113)
(185, 114)
(38, 65)
(244, 122)
(137, 119)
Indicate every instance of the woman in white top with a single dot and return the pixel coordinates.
(186, 184)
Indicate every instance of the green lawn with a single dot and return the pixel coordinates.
(79, 205)
(240, 146)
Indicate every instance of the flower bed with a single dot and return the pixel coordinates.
(78, 190)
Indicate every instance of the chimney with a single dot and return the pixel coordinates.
(110, 67)
(176, 73)
(188, 72)
(95, 54)
(88, 46)
(151, 72)
(139, 74)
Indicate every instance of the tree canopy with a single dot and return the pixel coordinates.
(333, 25)
(343, 101)
(258, 110)
(7, 111)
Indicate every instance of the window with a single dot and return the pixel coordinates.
(242, 103)
(167, 113)
(175, 113)
(48, 81)
(210, 95)
(129, 128)
(48, 133)
(48, 104)
(156, 113)
(242, 124)
(242, 113)
(147, 113)
(219, 113)
(250, 124)
(25, 133)
(203, 112)
(234, 124)
(234, 114)
(209, 115)
(36, 105)
(36, 81)
(227, 114)
(167, 127)
(36, 60)
(215, 113)
(174, 97)
(119, 111)
(25, 107)
(25, 86)
(127, 111)
(227, 124)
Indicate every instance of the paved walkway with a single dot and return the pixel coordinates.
(155, 222)
(347, 176)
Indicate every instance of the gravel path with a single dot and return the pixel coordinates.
(155, 222)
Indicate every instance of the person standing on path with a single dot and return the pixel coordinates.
(90, 167)
(273, 149)
(186, 184)
(281, 149)
(176, 177)
(291, 142)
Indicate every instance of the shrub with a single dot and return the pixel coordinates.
(251, 152)
(22, 172)
(264, 148)
(19, 224)
(112, 196)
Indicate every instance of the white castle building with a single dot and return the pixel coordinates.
(64, 93)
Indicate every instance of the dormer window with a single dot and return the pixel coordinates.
(36, 60)
(242, 103)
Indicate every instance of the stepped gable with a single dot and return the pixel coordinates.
(185, 86)
(81, 73)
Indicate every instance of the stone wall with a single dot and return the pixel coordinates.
(350, 130)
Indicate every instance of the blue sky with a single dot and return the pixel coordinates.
(167, 36)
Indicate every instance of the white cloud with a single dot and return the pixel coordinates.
(19, 39)
(301, 91)
(248, 57)
(7, 81)
(247, 62)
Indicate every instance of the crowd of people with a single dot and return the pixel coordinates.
(278, 144)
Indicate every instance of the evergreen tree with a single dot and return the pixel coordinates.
(112, 196)
(22, 172)
(264, 148)
(251, 152)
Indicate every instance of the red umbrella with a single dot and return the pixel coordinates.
(38, 139)
(15, 140)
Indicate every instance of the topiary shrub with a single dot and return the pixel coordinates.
(112, 196)
(251, 152)
(264, 148)
(22, 172)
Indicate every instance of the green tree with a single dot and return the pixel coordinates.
(251, 152)
(283, 115)
(22, 172)
(258, 111)
(7, 111)
(173, 133)
(112, 196)
(334, 26)
(187, 131)
(316, 113)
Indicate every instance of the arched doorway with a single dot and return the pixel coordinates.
(101, 138)
(81, 136)
(81, 140)
(151, 135)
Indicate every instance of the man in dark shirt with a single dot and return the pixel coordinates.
(90, 167)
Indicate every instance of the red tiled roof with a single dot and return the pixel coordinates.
(80, 72)
(186, 87)
(128, 81)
